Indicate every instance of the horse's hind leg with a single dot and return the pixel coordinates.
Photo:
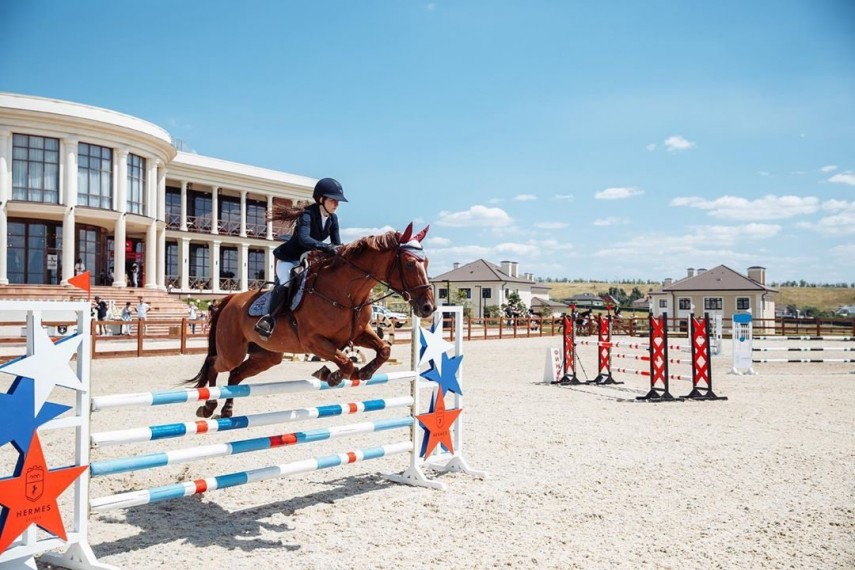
(369, 339)
(259, 360)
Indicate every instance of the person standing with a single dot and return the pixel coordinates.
(79, 267)
(192, 314)
(142, 313)
(126, 316)
(312, 225)
(135, 275)
(101, 313)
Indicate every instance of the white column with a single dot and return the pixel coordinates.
(160, 191)
(119, 235)
(243, 258)
(69, 236)
(5, 194)
(184, 258)
(151, 255)
(270, 271)
(215, 266)
(150, 189)
(269, 222)
(183, 227)
(243, 213)
(215, 222)
(161, 258)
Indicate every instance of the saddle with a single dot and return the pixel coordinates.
(258, 308)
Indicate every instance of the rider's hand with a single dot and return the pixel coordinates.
(327, 248)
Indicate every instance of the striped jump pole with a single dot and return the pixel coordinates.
(702, 386)
(804, 349)
(804, 360)
(658, 358)
(829, 338)
(604, 352)
(568, 353)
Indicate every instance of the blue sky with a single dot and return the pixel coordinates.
(602, 140)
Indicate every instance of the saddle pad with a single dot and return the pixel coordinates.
(259, 306)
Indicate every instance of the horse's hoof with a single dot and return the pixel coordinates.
(322, 373)
(333, 381)
(204, 412)
(224, 413)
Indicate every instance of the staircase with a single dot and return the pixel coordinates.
(164, 306)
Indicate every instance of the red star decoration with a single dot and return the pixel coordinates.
(438, 423)
(30, 496)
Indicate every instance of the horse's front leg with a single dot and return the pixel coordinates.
(382, 351)
(326, 350)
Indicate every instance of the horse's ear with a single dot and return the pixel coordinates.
(407, 235)
(421, 235)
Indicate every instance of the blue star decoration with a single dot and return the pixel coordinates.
(17, 421)
(47, 365)
(446, 376)
(432, 345)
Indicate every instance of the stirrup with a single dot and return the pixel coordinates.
(264, 326)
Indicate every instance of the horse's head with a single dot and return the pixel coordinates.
(408, 276)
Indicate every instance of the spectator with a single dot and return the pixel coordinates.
(79, 267)
(101, 313)
(126, 316)
(135, 275)
(192, 314)
(142, 312)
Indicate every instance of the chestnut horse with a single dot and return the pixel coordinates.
(335, 311)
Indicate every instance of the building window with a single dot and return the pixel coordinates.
(35, 169)
(663, 303)
(442, 293)
(199, 269)
(256, 264)
(94, 176)
(173, 208)
(136, 184)
(229, 216)
(172, 268)
(685, 304)
(466, 292)
(486, 293)
(713, 304)
(743, 303)
(33, 253)
(199, 208)
(256, 218)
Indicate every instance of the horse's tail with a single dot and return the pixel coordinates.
(201, 379)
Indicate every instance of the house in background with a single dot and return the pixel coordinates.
(486, 284)
(586, 301)
(717, 291)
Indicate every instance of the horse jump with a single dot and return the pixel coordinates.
(744, 349)
(80, 555)
(657, 355)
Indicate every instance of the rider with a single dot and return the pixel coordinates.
(313, 224)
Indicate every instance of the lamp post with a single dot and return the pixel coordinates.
(480, 302)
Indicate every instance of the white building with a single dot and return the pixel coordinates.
(81, 182)
(485, 284)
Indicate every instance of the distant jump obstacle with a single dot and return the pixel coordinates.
(657, 355)
(744, 349)
(445, 457)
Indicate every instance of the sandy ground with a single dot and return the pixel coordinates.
(580, 477)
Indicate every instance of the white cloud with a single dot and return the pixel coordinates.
(525, 197)
(564, 197)
(618, 193)
(840, 223)
(843, 178)
(828, 168)
(769, 207)
(519, 249)
(762, 173)
(551, 225)
(495, 200)
(610, 221)
(651, 147)
(476, 216)
(351, 234)
(437, 242)
(678, 143)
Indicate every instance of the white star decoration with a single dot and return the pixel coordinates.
(434, 346)
(47, 365)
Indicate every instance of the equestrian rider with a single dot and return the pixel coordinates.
(313, 224)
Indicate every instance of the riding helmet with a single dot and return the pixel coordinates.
(328, 188)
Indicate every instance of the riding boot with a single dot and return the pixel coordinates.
(276, 304)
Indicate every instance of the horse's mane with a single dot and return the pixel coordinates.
(354, 249)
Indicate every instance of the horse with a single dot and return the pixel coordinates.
(334, 312)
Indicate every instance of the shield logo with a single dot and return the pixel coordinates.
(35, 482)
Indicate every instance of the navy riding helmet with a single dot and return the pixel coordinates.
(328, 188)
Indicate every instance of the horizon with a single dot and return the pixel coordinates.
(602, 139)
